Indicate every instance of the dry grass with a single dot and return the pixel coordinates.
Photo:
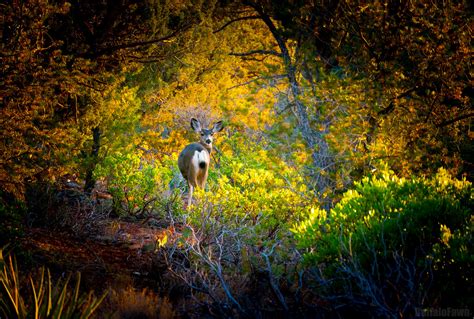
(132, 303)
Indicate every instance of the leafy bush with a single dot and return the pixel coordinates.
(236, 236)
(389, 240)
(133, 181)
(253, 185)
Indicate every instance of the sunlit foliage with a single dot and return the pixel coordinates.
(345, 124)
(252, 184)
(418, 227)
(133, 181)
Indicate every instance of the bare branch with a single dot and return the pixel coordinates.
(254, 17)
(255, 79)
(112, 49)
(391, 106)
(271, 52)
(271, 278)
(454, 120)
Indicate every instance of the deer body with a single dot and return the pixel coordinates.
(193, 162)
(194, 159)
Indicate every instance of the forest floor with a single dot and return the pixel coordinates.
(125, 257)
(122, 258)
(126, 248)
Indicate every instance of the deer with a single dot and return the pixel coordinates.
(194, 159)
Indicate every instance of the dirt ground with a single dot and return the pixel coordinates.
(124, 260)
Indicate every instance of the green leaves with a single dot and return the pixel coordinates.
(132, 180)
(385, 211)
(394, 243)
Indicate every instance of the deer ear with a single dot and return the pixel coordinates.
(195, 125)
(218, 126)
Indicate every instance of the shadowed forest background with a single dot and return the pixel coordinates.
(340, 185)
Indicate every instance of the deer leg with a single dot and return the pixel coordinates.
(190, 194)
(203, 180)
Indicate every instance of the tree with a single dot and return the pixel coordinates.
(55, 57)
(288, 52)
(414, 57)
(417, 56)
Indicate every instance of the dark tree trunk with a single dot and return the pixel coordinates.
(93, 156)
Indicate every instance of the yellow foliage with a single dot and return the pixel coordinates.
(255, 185)
(445, 234)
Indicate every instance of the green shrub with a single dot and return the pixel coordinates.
(252, 186)
(411, 234)
(237, 230)
(132, 180)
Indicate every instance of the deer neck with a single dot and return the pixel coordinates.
(207, 147)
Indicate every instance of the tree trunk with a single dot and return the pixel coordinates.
(321, 155)
(92, 161)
